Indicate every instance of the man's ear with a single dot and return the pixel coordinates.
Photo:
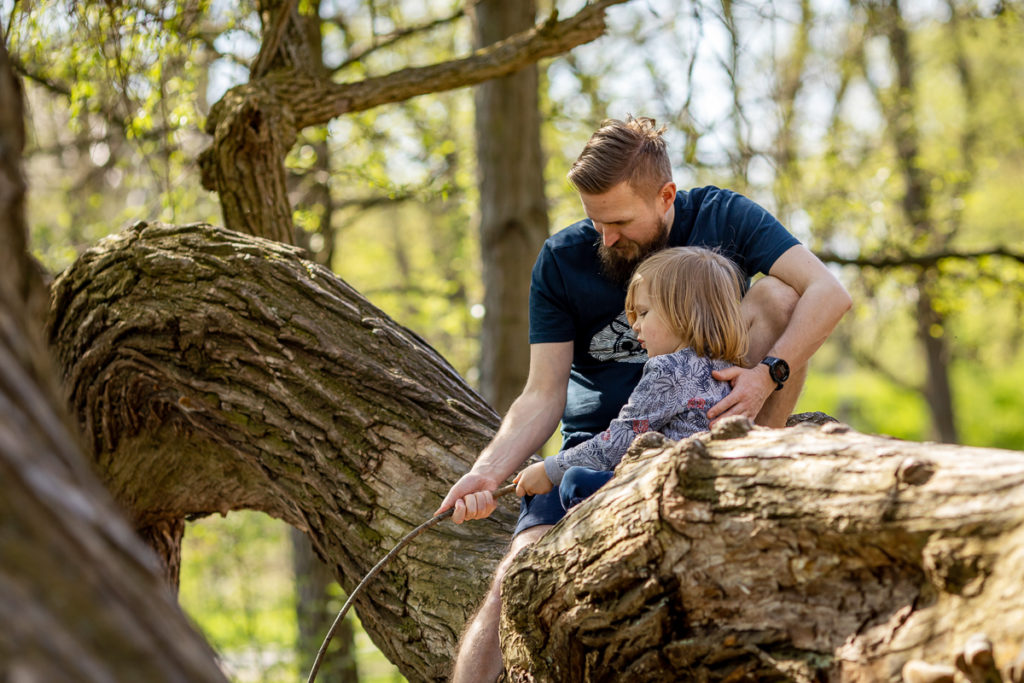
(666, 195)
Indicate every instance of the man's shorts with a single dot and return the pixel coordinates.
(536, 510)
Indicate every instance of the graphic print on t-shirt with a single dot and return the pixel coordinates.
(617, 342)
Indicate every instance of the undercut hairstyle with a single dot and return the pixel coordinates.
(633, 151)
(697, 292)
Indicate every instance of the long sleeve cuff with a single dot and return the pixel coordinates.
(553, 471)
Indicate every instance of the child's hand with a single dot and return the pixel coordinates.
(532, 481)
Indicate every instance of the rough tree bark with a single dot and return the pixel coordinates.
(513, 209)
(212, 371)
(80, 595)
(811, 553)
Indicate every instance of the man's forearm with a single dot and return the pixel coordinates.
(529, 423)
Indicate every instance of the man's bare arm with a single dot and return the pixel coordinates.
(530, 421)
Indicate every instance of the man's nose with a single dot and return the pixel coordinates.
(609, 236)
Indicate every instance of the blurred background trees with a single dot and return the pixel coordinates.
(885, 135)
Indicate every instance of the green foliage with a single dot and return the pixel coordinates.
(242, 600)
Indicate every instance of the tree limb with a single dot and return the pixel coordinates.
(396, 36)
(810, 553)
(213, 371)
(272, 39)
(920, 260)
(313, 101)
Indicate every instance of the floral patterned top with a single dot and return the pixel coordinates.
(673, 397)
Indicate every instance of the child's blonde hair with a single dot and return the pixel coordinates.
(696, 291)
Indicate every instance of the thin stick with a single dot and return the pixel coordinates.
(376, 570)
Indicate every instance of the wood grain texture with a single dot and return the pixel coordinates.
(808, 553)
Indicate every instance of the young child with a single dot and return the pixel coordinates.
(684, 305)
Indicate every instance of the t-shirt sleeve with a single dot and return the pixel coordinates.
(551, 317)
(759, 238)
(647, 410)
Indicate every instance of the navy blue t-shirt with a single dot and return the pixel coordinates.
(570, 300)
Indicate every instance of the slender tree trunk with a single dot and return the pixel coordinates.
(313, 580)
(214, 372)
(931, 334)
(807, 554)
(80, 596)
(513, 209)
(917, 209)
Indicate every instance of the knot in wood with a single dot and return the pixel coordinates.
(915, 471)
(734, 427)
(648, 441)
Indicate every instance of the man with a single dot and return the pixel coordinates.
(584, 358)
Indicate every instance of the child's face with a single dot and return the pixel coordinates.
(651, 329)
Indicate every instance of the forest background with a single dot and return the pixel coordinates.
(889, 138)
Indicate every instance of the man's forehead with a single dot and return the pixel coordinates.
(616, 204)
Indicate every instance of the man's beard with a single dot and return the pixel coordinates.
(620, 260)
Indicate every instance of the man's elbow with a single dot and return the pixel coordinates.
(841, 297)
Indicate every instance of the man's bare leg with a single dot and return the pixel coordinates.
(479, 655)
(767, 308)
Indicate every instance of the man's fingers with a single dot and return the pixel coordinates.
(722, 406)
(445, 504)
(485, 504)
(727, 374)
(459, 515)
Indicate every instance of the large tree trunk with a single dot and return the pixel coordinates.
(213, 371)
(513, 210)
(80, 596)
(810, 553)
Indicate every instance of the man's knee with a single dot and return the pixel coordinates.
(521, 540)
(767, 309)
(771, 298)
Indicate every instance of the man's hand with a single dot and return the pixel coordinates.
(471, 497)
(533, 481)
(750, 389)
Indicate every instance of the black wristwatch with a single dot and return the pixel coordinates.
(778, 370)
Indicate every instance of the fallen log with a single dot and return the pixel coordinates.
(808, 553)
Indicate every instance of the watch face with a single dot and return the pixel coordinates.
(780, 370)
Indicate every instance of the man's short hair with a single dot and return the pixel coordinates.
(632, 150)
